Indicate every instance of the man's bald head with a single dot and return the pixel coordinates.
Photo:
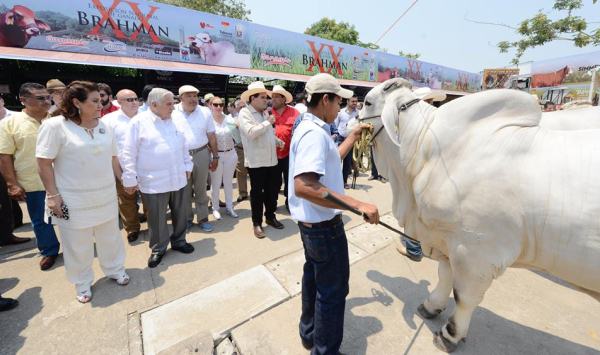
(128, 101)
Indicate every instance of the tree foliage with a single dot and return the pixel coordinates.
(229, 8)
(329, 29)
(541, 29)
(409, 55)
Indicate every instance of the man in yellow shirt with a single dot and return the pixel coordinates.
(18, 135)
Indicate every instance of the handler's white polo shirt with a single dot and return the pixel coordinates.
(313, 150)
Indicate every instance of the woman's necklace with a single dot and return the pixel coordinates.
(90, 131)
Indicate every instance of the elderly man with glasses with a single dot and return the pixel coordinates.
(119, 121)
(18, 134)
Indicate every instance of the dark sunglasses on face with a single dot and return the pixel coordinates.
(131, 99)
(42, 97)
(218, 105)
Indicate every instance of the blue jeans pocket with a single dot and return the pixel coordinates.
(317, 246)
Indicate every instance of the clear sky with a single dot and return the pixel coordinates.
(436, 29)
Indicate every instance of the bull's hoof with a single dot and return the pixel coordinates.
(444, 344)
(423, 312)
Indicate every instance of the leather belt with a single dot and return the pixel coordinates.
(223, 151)
(196, 150)
(332, 222)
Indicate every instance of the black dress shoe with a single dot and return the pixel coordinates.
(222, 204)
(274, 223)
(133, 236)
(154, 260)
(13, 239)
(242, 198)
(142, 217)
(186, 248)
(7, 304)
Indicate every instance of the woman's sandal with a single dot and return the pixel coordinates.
(84, 296)
(122, 280)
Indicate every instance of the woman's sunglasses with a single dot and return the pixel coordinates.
(218, 105)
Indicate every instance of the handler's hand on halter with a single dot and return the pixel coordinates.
(357, 131)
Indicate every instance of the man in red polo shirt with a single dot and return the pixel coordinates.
(106, 99)
(284, 121)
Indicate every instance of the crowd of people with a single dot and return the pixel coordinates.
(83, 160)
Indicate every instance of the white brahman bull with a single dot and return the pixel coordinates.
(572, 119)
(483, 187)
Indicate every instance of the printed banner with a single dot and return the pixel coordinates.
(163, 32)
(497, 78)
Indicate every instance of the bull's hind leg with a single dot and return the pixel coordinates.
(438, 299)
(472, 277)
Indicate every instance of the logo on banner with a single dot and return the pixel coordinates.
(119, 25)
(59, 42)
(325, 65)
(274, 60)
(206, 25)
(115, 46)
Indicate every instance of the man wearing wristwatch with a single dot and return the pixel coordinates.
(199, 131)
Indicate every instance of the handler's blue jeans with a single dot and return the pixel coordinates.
(324, 287)
(45, 236)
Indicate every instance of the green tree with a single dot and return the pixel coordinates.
(409, 55)
(229, 8)
(540, 29)
(329, 29)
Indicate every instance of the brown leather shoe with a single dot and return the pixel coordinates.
(13, 239)
(259, 233)
(47, 262)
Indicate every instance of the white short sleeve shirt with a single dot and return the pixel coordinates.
(195, 126)
(314, 151)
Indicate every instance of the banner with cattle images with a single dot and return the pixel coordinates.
(421, 74)
(163, 32)
(565, 79)
(497, 78)
(125, 28)
(296, 53)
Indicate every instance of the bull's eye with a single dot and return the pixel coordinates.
(367, 103)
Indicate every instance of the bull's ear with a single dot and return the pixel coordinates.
(396, 83)
(42, 25)
(9, 18)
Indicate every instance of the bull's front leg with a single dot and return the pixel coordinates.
(472, 277)
(438, 298)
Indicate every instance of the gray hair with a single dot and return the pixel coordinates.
(158, 95)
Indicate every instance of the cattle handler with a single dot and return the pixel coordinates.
(315, 171)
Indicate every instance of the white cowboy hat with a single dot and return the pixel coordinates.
(426, 93)
(278, 89)
(256, 87)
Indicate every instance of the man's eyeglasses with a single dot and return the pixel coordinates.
(218, 105)
(41, 97)
(131, 99)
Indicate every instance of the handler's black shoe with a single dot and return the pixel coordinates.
(7, 304)
(414, 257)
(186, 248)
(308, 345)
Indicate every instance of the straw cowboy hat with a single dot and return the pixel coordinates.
(256, 87)
(426, 93)
(278, 89)
(55, 85)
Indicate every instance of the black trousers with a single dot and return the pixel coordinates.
(264, 187)
(347, 166)
(6, 214)
(284, 169)
(17, 213)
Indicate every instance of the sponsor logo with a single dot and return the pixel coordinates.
(59, 42)
(587, 68)
(163, 51)
(115, 46)
(274, 60)
(206, 25)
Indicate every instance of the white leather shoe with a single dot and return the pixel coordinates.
(216, 214)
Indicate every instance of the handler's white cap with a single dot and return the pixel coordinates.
(326, 83)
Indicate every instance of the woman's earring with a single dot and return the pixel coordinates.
(78, 111)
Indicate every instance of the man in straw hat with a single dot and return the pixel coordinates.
(260, 157)
(284, 121)
(314, 171)
(55, 88)
(430, 96)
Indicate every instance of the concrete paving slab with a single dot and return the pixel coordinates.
(522, 313)
(201, 343)
(288, 268)
(216, 309)
(370, 238)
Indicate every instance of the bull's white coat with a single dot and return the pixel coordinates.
(484, 187)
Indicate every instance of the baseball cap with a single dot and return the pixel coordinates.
(187, 88)
(326, 83)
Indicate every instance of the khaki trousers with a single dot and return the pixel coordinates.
(128, 209)
(196, 186)
(241, 171)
